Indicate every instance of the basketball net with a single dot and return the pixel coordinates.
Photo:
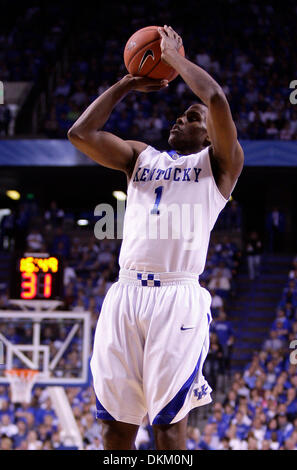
(21, 383)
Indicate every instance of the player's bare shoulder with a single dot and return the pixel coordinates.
(237, 161)
(226, 173)
(137, 147)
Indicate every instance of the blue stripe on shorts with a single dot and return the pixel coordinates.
(101, 412)
(173, 407)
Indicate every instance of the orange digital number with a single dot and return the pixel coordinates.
(29, 285)
(47, 288)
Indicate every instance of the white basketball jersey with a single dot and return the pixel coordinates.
(172, 205)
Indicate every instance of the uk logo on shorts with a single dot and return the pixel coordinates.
(200, 393)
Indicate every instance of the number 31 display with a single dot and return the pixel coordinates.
(37, 276)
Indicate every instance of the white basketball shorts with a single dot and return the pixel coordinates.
(151, 340)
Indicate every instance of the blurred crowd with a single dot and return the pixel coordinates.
(248, 70)
(254, 63)
(259, 411)
(35, 426)
(29, 40)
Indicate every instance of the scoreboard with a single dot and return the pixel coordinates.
(36, 276)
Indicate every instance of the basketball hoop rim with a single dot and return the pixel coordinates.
(21, 382)
(23, 374)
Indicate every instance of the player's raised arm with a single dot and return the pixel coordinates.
(103, 147)
(221, 128)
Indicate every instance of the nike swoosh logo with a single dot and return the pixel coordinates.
(188, 328)
(148, 53)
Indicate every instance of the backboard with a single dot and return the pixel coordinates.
(56, 343)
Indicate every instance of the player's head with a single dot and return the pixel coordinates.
(189, 133)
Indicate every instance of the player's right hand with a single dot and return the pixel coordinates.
(170, 41)
(145, 84)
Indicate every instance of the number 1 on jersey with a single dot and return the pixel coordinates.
(158, 192)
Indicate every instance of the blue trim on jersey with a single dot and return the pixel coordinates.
(173, 152)
(173, 407)
(102, 413)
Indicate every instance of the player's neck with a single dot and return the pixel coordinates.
(188, 151)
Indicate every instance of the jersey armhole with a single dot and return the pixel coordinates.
(135, 165)
(214, 181)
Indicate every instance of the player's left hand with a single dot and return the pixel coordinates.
(144, 84)
(170, 41)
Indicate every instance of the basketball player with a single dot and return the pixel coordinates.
(152, 336)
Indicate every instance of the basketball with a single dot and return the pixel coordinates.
(142, 55)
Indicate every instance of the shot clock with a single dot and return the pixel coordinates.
(37, 276)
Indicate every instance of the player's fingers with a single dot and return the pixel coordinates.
(162, 84)
(162, 33)
(177, 37)
(155, 83)
(175, 34)
(171, 32)
(168, 30)
(150, 81)
(165, 29)
(157, 87)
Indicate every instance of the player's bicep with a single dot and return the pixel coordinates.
(105, 148)
(223, 134)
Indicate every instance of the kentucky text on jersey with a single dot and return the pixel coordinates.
(172, 174)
